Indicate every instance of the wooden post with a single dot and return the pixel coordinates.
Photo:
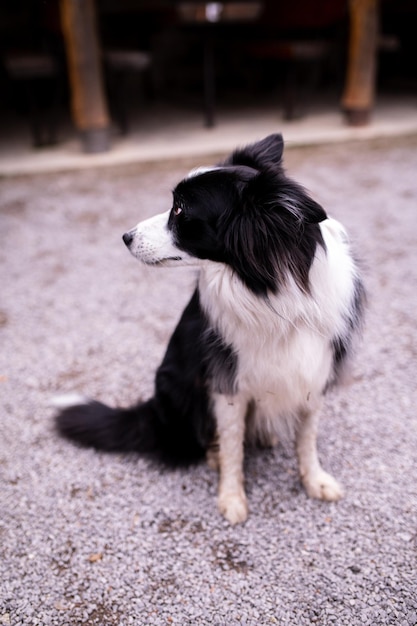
(359, 92)
(88, 101)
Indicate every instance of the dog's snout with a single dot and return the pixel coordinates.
(128, 238)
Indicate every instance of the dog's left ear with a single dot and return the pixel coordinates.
(278, 192)
(262, 154)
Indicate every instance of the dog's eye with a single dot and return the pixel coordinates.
(177, 210)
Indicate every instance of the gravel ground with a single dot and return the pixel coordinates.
(90, 538)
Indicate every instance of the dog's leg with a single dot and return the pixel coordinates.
(230, 414)
(318, 483)
(212, 455)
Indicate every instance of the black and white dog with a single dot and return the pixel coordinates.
(266, 333)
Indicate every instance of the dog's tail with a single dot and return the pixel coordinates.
(141, 429)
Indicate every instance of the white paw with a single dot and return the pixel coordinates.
(233, 506)
(322, 486)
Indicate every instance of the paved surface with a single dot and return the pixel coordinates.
(168, 132)
(96, 539)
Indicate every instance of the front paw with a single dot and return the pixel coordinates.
(322, 486)
(234, 507)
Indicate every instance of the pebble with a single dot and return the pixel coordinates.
(99, 327)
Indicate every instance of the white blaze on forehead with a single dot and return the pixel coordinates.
(201, 170)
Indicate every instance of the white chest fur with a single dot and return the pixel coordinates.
(284, 342)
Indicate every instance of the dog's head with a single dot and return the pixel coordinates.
(245, 213)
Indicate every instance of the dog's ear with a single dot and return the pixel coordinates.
(263, 154)
(271, 185)
(265, 193)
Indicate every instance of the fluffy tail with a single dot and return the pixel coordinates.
(114, 430)
(139, 429)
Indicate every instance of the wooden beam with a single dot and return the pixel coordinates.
(359, 92)
(88, 101)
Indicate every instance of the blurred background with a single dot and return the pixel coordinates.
(100, 76)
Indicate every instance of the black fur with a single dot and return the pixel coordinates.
(251, 216)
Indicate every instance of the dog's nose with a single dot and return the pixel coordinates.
(128, 238)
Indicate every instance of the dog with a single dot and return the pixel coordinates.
(268, 331)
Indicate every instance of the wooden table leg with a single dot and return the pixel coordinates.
(359, 92)
(88, 101)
